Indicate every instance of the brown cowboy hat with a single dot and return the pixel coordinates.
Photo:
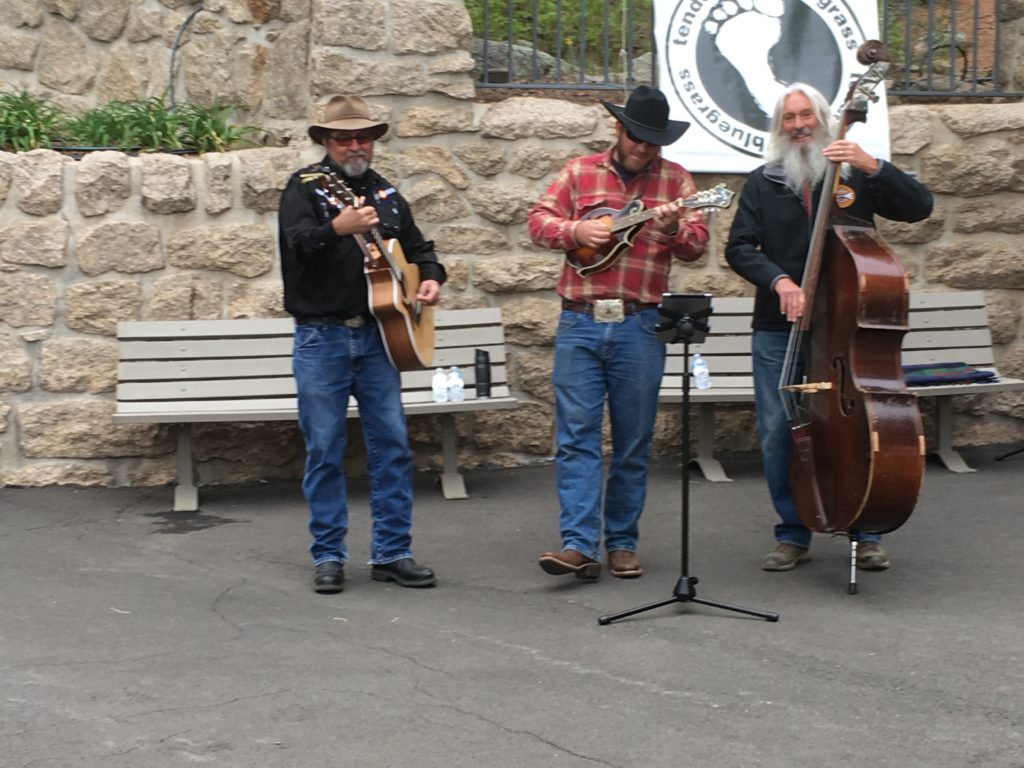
(346, 113)
(646, 117)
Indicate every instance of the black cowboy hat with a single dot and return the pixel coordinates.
(646, 117)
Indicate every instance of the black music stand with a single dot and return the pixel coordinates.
(684, 319)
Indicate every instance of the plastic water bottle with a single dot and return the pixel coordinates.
(439, 385)
(699, 369)
(456, 385)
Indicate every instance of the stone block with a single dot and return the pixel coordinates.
(97, 307)
(503, 202)
(27, 299)
(428, 27)
(433, 200)
(102, 182)
(167, 184)
(17, 49)
(530, 321)
(38, 177)
(430, 121)
(484, 158)
(246, 250)
(185, 296)
(15, 365)
(515, 274)
(78, 365)
(976, 264)
(265, 174)
(120, 246)
(38, 243)
(470, 239)
(66, 61)
(525, 117)
(82, 429)
(220, 194)
(433, 160)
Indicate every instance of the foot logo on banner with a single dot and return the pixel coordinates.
(729, 60)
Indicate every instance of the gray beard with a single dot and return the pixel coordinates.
(804, 164)
(357, 166)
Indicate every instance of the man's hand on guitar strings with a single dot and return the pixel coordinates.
(429, 292)
(355, 220)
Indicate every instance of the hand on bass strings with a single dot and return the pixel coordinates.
(354, 220)
(844, 151)
(591, 233)
(429, 292)
(791, 298)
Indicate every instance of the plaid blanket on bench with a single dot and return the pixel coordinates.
(944, 373)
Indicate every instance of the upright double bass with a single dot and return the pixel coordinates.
(858, 444)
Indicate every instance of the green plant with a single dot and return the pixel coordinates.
(27, 122)
(207, 129)
(144, 124)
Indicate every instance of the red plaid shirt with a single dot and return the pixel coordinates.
(641, 272)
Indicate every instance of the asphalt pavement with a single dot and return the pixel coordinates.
(135, 636)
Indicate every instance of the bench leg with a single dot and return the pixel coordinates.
(453, 486)
(952, 460)
(710, 467)
(186, 495)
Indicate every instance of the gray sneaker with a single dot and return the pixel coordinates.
(785, 557)
(871, 556)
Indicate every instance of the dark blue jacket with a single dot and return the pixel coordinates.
(772, 231)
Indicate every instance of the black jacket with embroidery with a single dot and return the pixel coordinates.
(323, 271)
(772, 230)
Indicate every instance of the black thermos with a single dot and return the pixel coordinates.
(482, 371)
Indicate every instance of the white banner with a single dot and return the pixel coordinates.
(724, 63)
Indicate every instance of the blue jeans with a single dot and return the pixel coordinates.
(626, 361)
(768, 349)
(329, 363)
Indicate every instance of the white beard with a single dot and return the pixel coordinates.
(804, 164)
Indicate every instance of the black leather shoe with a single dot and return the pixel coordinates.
(405, 572)
(329, 577)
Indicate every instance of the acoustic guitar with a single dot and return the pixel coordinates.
(624, 223)
(406, 325)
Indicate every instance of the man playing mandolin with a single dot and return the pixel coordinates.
(768, 245)
(606, 342)
(339, 350)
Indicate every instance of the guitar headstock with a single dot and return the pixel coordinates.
(339, 193)
(718, 196)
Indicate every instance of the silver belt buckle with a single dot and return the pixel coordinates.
(355, 322)
(609, 311)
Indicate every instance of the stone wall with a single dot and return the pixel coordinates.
(85, 243)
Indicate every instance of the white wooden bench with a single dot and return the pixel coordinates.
(185, 371)
(945, 326)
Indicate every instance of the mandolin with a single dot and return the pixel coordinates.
(625, 222)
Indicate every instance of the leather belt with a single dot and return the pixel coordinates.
(349, 322)
(586, 308)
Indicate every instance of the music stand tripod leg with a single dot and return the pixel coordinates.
(685, 590)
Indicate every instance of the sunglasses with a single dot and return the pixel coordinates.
(635, 140)
(345, 138)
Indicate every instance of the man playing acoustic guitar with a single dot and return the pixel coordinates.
(338, 348)
(606, 341)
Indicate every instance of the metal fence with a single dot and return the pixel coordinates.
(939, 47)
(944, 47)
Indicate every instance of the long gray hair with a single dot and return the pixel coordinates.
(777, 140)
